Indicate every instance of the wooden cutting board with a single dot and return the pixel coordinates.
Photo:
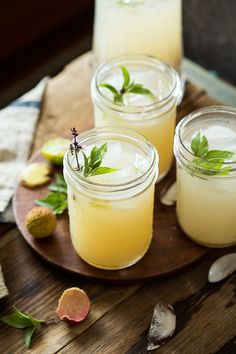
(66, 104)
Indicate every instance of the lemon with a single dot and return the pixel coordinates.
(54, 149)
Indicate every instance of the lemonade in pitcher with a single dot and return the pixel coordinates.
(152, 27)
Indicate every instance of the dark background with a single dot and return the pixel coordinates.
(39, 37)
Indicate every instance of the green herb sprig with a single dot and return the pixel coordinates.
(21, 320)
(210, 162)
(128, 87)
(92, 163)
(131, 3)
(59, 186)
(57, 201)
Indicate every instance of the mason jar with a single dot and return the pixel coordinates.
(206, 175)
(111, 215)
(153, 116)
(151, 27)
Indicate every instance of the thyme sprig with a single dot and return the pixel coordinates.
(92, 163)
(75, 147)
(129, 86)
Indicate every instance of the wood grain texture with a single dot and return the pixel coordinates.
(4, 228)
(170, 250)
(120, 315)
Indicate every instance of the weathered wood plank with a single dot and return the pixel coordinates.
(120, 316)
(125, 327)
(35, 287)
(8, 237)
(229, 347)
(67, 101)
(4, 228)
(204, 320)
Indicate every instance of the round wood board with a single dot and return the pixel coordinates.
(170, 250)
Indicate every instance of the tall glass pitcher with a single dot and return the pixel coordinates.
(152, 27)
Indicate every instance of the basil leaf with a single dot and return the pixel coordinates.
(110, 87)
(140, 90)
(18, 319)
(126, 77)
(210, 169)
(86, 165)
(55, 201)
(102, 150)
(97, 157)
(118, 99)
(127, 87)
(28, 336)
(59, 185)
(218, 155)
(34, 321)
(92, 163)
(103, 170)
(199, 145)
(210, 162)
(92, 156)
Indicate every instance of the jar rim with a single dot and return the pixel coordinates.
(183, 153)
(106, 188)
(174, 92)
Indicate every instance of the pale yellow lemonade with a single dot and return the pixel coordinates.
(155, 118)
(152, 27)
(206, 204)
(113, 231)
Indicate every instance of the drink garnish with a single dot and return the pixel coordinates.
(129, 86)
(209, 162)
(129, 3)
(92, 163)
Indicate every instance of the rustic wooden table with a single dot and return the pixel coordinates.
(120, 315)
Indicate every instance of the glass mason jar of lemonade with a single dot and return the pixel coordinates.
(205, 149)
(111, 214)
(152, 27)
(146, 100)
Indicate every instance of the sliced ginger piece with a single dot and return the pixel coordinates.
(35, 174)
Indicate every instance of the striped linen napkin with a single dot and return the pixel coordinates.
(17, 126)
(3, 288)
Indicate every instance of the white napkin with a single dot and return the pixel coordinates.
(3, 288)
(17, 126)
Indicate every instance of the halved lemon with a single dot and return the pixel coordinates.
(54, 149)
